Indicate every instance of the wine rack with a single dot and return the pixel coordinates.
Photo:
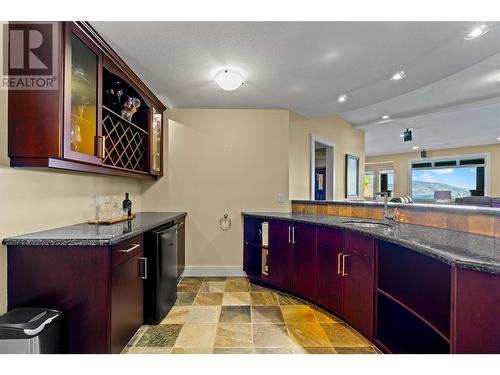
(125, 144)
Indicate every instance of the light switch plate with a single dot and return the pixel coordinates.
(281, 198)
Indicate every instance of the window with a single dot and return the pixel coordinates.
(448, 178)
(368, 184)
(386, 181)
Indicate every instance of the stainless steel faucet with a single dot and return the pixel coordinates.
(387, 215)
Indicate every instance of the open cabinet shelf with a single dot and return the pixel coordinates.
(255, 251)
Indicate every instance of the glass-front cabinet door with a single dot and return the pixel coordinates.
(156, 143)
(82, 135)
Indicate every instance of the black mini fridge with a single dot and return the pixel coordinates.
(160, 288)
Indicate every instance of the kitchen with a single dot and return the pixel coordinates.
(255, 222)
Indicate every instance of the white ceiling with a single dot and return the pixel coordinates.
(304, 66)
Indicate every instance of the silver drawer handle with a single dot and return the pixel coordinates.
(134, 246)
(145, 268)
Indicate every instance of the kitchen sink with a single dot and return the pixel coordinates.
(367, 224)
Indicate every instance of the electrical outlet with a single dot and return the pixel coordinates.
(281, 198)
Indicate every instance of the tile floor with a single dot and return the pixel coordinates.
(232, 316)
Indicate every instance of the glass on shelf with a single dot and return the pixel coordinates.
(83, 97)
(105, 208)
(156, 142)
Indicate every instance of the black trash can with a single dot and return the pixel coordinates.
(30, 330)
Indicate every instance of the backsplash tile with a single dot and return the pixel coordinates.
(477, 224)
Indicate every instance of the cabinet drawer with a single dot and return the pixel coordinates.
(126, 249)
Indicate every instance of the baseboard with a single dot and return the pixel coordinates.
(213, 271)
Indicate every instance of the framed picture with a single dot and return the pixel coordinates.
(351, 176)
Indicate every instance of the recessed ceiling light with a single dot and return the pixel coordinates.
(385, 117)
(415, 147)
(398, 76)
(342, 98)
(477, 32)
(228, 80)
(498, 139)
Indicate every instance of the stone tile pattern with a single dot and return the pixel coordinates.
(477, 224)
(217, 315)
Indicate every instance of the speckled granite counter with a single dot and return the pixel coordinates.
(95, 235)
(481, 253)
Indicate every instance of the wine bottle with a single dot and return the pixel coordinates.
(127, 206)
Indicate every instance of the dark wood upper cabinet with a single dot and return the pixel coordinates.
(82, 97)
(280, 254)
(304, 260)
(329, 289)
(100, 118)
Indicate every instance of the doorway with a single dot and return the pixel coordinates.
(322, 168)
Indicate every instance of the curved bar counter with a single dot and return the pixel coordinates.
(407, 288)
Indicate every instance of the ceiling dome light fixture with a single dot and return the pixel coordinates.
(385, 117)
(342, 98)
(398, 76)
(477, 32)
(228, 80)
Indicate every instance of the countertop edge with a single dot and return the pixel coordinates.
(434, 252)
(19, 241)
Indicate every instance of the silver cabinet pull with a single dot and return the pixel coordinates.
(339, 271)
(134, 246)
(289, 234)
(145, 276)
(344, 256)
(293, 235)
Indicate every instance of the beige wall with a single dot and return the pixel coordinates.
(401, 172)
(299, 157)
(221, 161)
(33, 200)
(334, 128)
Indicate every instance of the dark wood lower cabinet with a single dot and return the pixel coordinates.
(329, 287)
(181, 247)
(99, 290)
(304, 260)
(476, 312)
(127, 300)
(280, 254)
(402, 300)
(72, 279)
(358, 266)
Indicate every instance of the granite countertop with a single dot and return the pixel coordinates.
(95, 235)
(437, 207)
(472, 251)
